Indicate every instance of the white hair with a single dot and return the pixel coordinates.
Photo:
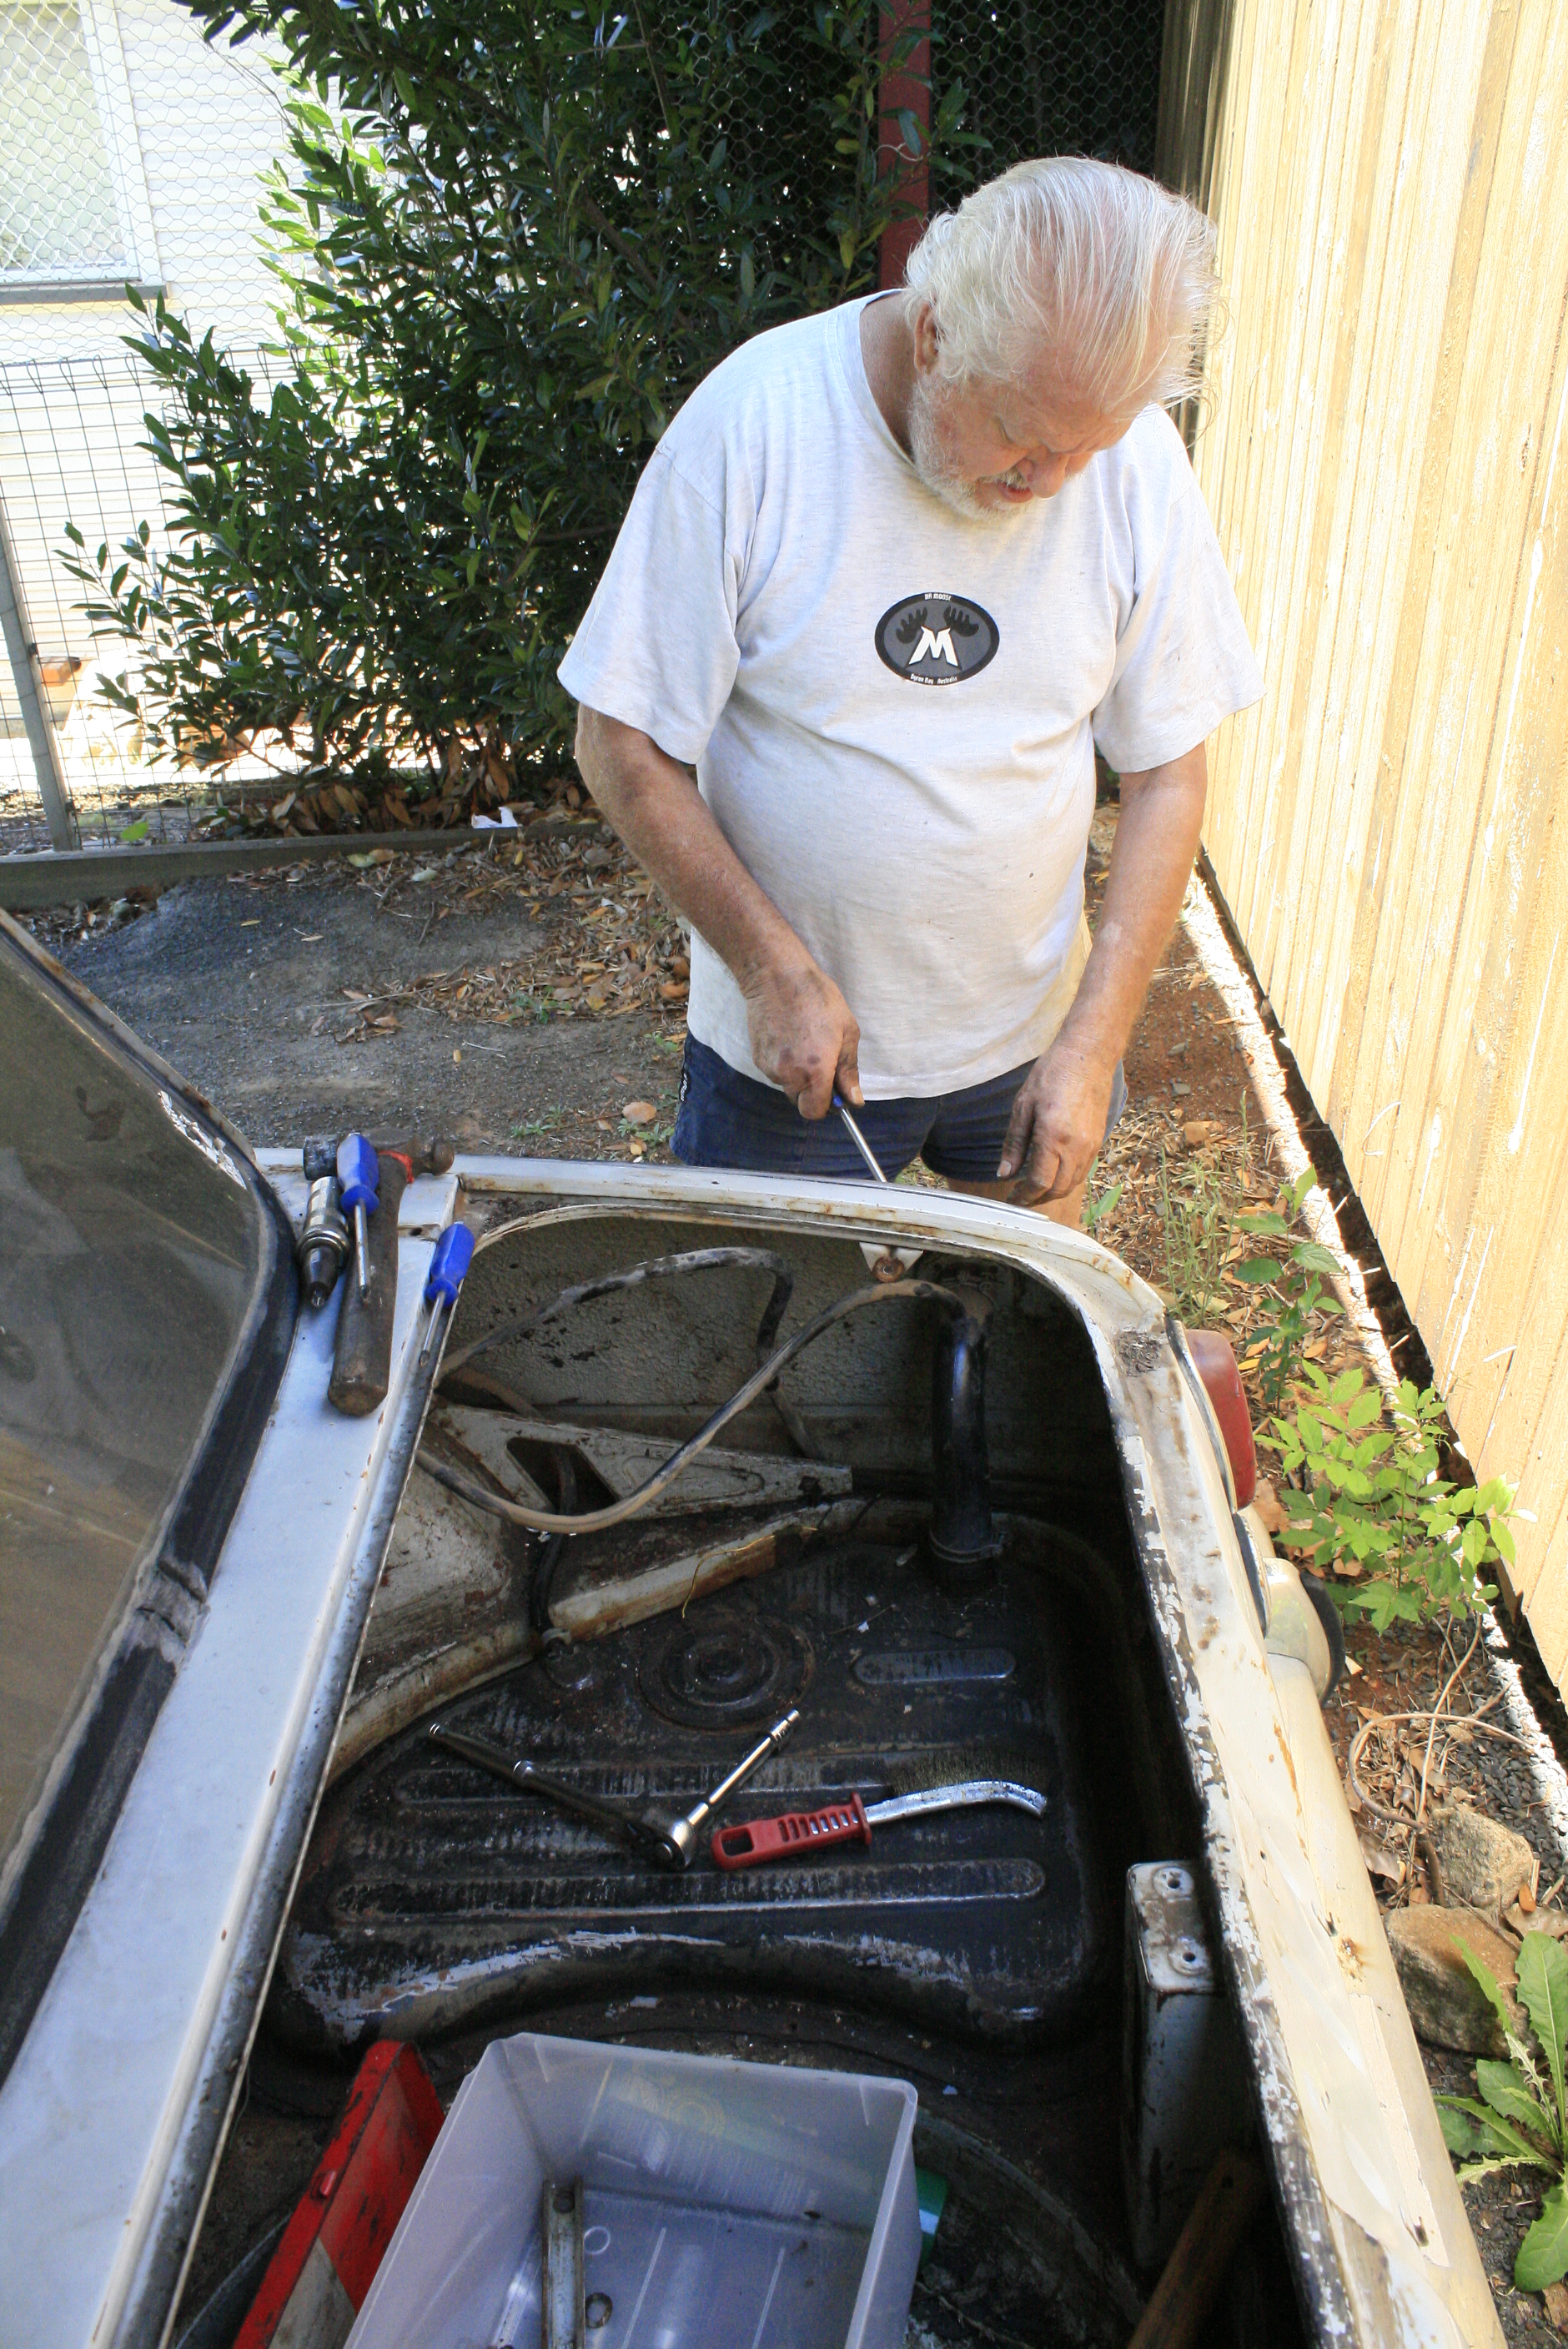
(1103, 275)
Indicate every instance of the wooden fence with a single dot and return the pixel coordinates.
(1385, 463)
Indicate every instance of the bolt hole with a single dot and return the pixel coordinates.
(564, 2199)
(596, 2309)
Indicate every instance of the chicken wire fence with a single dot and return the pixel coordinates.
(76, 425)
(1046, 77)
(134, 153)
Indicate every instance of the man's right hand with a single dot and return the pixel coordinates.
(803, 1034)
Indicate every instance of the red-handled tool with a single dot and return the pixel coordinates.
(799, 1834)
(792, 1831)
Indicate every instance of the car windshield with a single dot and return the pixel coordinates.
(134, 1244)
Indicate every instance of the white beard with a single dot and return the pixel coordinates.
(936, 474)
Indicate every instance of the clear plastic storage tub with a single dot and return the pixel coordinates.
(725, 2205)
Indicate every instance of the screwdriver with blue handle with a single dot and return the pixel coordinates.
(454, 1252)
(358, 1182)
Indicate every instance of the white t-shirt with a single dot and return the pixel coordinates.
(892, 709)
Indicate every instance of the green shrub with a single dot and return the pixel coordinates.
(526, 236)
(1368, 1500)
(1286, 1296)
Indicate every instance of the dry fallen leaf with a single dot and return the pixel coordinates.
(1270, 1507)
(1556, 2299)
(1383, 1867)
(639, 1112)
(1201, 1129)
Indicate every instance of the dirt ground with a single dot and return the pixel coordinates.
(528, 994)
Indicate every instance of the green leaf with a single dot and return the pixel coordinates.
(1541, 1968)
(1461, 2132)
(134, 832)
(1488, 1981)
(1499, 2136)
(1543, 2254)
(1501, 2086)
(1313, 1256)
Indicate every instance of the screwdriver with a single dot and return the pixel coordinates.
(358, 1180)
(792, 1833)
(453, 1255)
(857, 1137)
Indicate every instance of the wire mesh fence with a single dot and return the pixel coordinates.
(70, 453)
(1046, 77)
(134, 153)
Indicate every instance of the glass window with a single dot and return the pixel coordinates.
(138, 1268)
(59, 215)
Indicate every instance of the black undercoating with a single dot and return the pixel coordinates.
(423, 1879)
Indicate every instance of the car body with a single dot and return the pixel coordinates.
(186, 1730)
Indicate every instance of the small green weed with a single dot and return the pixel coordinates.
(1098, 1205)
(1515, 2120)
(549, 1122)
(1287, 1295)
(1368, 1501)
(654, 1135)
(1197, 1218)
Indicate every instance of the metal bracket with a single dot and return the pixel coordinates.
(564, 2324)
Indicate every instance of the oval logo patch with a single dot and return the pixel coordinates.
(937, 638)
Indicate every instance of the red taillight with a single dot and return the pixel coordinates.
(1216, 1365)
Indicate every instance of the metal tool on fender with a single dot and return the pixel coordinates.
(324, 1245)
(857, 1137)
(362, 1355)
(359, 1185)
(666, 1843)
(453, 1255)
(795, 1834)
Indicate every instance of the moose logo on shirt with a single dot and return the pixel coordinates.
(937, 638)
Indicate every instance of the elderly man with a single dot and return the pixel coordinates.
(888, 576)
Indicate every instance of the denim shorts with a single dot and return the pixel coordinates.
(728, 1120)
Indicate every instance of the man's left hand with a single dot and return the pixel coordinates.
(1057, 1125)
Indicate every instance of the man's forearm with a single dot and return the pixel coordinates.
(802, 1034)
(1157, 837)
(663, 820)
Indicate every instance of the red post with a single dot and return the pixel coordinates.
(905, 89)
